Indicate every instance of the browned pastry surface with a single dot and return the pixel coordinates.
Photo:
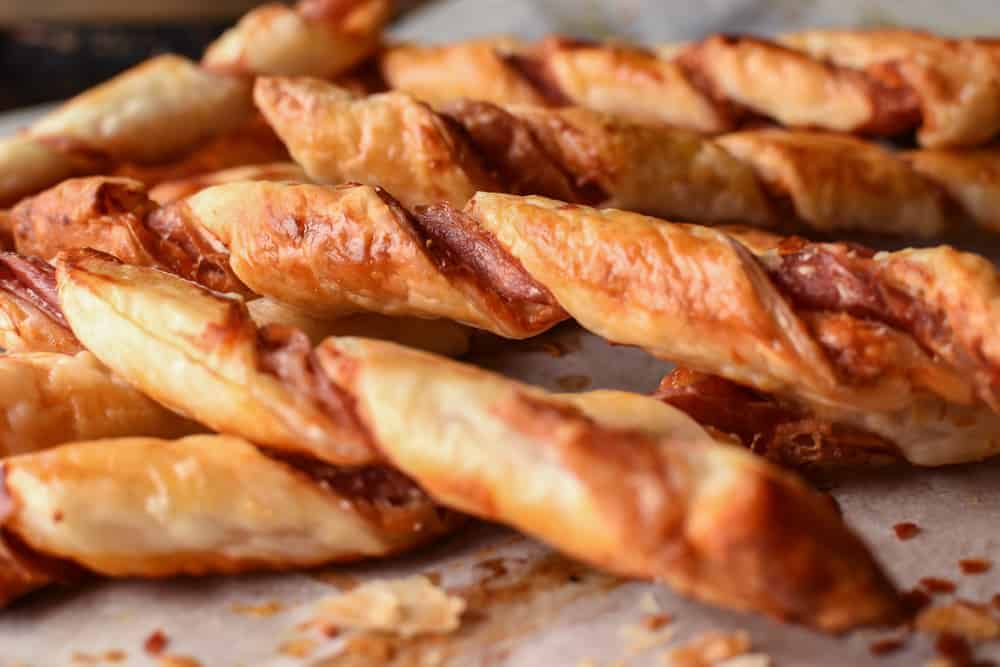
(167, 108)
(154, 508)
(898, 345)
(710, 519)
(30, 317)
(821, 181)
(879, 82)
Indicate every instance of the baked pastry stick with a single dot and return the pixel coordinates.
(901, 345)
(881, 83)
(821, 181)
(150, 113)
(711, 520)
(116, 216)
(142, 507)
(575, 154)
(169, 191)
(168, 105)
(954, 81)
(840, 358)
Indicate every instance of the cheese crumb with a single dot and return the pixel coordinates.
(405, 607)
(708, 649)
(973, 622)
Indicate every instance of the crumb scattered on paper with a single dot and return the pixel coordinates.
(156, 642)
(975, 565)
(301, 647)
(746, 660)
(405, 607)
(178, 661)
(970, 621)
(648, 604)
(708, 649)
(937, 585)
(260, 610)
(906, 530)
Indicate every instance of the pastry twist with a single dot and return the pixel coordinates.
(169, 105)
(903, 350)
(712, 520)
(203, 504)
(760, 177)
(878, 82)
(52, 393)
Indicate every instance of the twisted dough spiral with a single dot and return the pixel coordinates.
(203, 504)
(167, 106)
(876, 82)
(766, 177)
(619, 468)
(903, 348)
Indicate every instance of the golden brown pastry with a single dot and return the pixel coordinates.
(955, 83)
(168, 106)
(210, 365)
(613, 78)
(712, 520)
(48, 398)
(150, 113)
(116, 216)
(204, 504)
(421, 156)
(334, 250)
(821, 181)
(252, 143)
(319, 38)
(438, 336)
(837, 183)
(517, 265)
(879, 82)
(169, 191)
(900, 345)
(30, 317)
(971, 178)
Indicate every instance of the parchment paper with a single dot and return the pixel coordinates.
(539, 609)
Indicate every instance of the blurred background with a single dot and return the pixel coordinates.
(52, 49)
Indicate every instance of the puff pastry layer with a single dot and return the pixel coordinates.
(763, 177)
(878, 82)
(168, 106)
(712, 520)
(898, 345)
(204, 504)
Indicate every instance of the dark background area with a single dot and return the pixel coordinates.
(44, 61)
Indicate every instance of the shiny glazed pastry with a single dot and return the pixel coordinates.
(763, 177)
(893, 354)
(877, 82)
(622, 469)
(49, 398)
(166, 107)
(141, 507)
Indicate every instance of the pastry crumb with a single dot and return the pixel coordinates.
(746, 660)
(405, 607)
(261, 610)
(114, 655)
(708, 649)
(937, 585)
(297, 648)
(648, 604)
(975, 565)
(156, 642)
(178, 661)
(963, 619)
(906, 530)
